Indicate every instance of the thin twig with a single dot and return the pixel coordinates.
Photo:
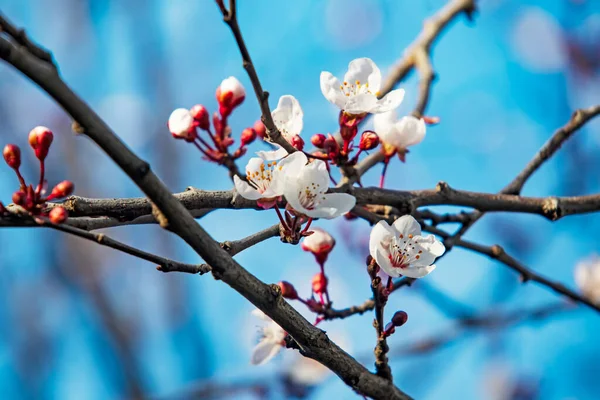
(230, 18)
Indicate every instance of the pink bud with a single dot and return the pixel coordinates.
(58, 215)
(12, 156)
(318, 140)
(248, 136)
(181, 124)
(399, 318)
(320, 243)
(319, 283)
(260, 129)
(230, 94)
(63, 189)
(298, 142)
(19, 198)
(40, 139)
(368, 140)
(201, 115)
(288, 290)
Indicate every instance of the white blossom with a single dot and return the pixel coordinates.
(399, 134)
(288, 118)
(271, 341)
(181, 124)
(233, 86)
(587, 277)
(264, 180)
(401, 250)
(358, 93)
(305, 187)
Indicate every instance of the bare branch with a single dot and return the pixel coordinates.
(312, 341)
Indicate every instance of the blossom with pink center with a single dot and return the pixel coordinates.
(400, 249)
(264, 182)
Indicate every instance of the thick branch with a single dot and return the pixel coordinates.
(313, 342)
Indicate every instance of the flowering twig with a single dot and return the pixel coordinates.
(230, 18)
(314, 342)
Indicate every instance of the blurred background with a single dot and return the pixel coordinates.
(84, 322)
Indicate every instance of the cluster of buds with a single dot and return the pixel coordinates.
(399, 319)
(338, 153)
(33, 200)
(189, 124)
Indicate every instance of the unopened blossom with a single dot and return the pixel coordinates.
(230, 94)
(271, 341)
(320, 243)
(288, 118)
(40, 139)
(306, 186)
(358, 93)
(264, 180)
(181, 124)
(401, 250)
(398, 134)
(587, 277)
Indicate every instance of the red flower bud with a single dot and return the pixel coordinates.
(63, 189)
(260, 129)
(40, 139)
(288, 290)
(368, 140)
(298, 142)
(349, 216)
(201, 116)
(331, 146)
(58, 215)
(2, 208)
(239, 153)
(399, 318)
(230, 94)
(19, 197)
(248, 136)
(318, 139)
(319, 283)
(12, 156)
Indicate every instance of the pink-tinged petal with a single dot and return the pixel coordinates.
(411, 131)
(364, 71)
(330, 87)
(417, 272)
(380, 234)
(276, 154)
(264, 351)
(407, 225)
(390, 101)
(245, 190)
(382, 258)
(333, 206)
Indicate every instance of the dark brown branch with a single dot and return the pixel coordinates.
(230, 18)
(381, 348)
(21, 38)
(237, 246)
(578, 119)
(313, 342)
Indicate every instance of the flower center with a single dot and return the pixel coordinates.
(261, 178)
(311, 196)
(353, 89)
(402, 251)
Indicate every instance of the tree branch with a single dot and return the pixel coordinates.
(313, 342)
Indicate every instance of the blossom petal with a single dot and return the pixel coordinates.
(264, 351)
(432, 245)
(276, 154)
(292, 165)
(411, 131)
(381, 233)
(288, 116)
(390, 101)
(360, 103)
(407, 225)
(384, 124)
(259, 314)
(382, 259)
(330, 87)
(334, 205)
(364, 71)
(245, 190)
(418, 272)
